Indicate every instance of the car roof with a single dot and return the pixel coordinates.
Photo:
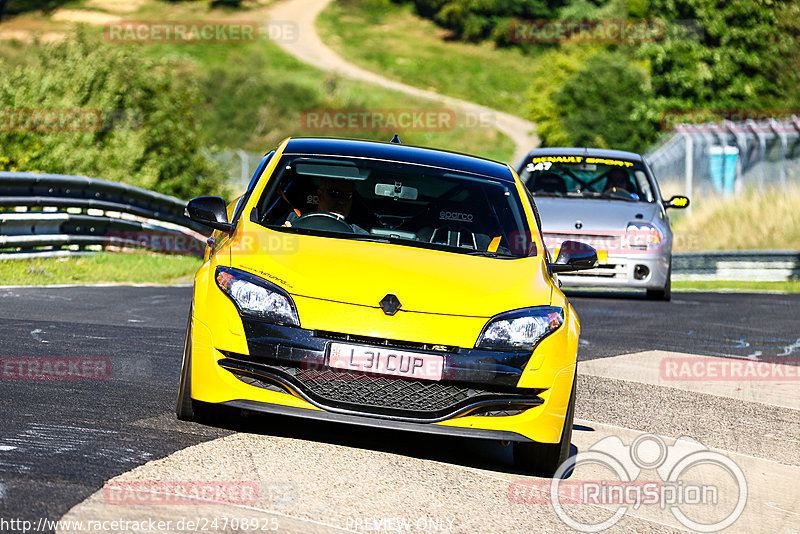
(324, 146)
(578, 151)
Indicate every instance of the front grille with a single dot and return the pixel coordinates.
(383, 342)
(392, 397)
(383, 392)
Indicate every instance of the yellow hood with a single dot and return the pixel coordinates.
(362, 273)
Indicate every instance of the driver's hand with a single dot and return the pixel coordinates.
(287, 224)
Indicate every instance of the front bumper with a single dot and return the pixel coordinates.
(620, 271)
(218, 334)
(294, 361)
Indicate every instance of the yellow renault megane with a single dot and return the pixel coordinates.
(385, 285)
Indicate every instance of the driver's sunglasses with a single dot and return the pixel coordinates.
(338, 194)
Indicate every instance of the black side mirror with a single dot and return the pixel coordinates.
(678, 201)
(210, 211)
(574, 256)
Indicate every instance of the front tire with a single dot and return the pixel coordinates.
(545, 458)
(184, 409)
(664, 294)
(188, 409)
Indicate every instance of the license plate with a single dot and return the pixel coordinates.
(386, 361)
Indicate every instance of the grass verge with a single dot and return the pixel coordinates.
(257, 94)
(390, 39)
(105, 267)
(789, 286)
(753, 220)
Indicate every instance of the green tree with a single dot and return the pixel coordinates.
(149, 135)
(599, 104)
(731, 55)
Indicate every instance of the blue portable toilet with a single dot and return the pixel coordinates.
(722, 167)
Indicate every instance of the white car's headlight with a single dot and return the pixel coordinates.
(643, 235)
(520, 329)
(256, 297)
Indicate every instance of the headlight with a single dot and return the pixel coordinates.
(256, 297)
(520, 329)
(643, 235)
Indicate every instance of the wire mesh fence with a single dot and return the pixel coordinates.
(728, 157)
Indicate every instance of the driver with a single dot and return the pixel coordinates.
(335, 197)
(618, 181)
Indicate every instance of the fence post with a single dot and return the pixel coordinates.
(245, 177)
(688, 170)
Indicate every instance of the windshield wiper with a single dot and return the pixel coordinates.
(485, 253)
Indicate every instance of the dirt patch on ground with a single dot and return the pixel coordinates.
(87, 17)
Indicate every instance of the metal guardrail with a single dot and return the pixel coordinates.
(113, 214)
(53, 214)
(740, 265)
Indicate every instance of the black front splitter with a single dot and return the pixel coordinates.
(425, 428)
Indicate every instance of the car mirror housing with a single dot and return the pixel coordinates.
(677, 201)
(209, 211)
(574, 256)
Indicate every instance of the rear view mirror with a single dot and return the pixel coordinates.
(678, 201)
(396, 190)
(574, 256)
(210, 211)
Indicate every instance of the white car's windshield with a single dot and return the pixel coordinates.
(401, 203)
(582, 176)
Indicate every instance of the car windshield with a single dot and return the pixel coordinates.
(587, 177)
(401, 203)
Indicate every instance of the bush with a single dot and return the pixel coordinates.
(599, 104)
(474, 20)
(149, 137)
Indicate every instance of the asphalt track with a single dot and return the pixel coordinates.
(60, 440)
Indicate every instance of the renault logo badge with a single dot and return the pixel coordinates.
(390, 304)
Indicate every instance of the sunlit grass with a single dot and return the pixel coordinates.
(755, 220)
(134, 268)
(391, 40)
(257, 94)
(789, 286)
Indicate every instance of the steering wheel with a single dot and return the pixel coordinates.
(323, 221)
(620, 192)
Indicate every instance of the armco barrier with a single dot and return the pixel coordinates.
(740, 265)
(53, 214)
(116, 214)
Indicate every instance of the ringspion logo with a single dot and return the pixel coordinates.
(690, 478)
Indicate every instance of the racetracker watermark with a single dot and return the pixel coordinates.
(378, 120)
(170, 493)
(711, 120)
(704, 490)
(637, 238)
(44, 120)
(586, 31)
(50, 120)
(722, 369)
(199, 31)
(159, 240)
(55, 368)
